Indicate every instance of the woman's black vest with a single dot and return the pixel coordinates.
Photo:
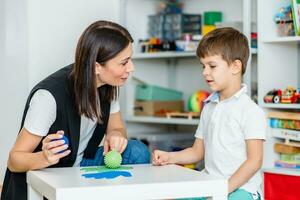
(60, 85)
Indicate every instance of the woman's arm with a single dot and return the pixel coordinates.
(250, 166)
(116, 136)
(22, 159)
(187, 156)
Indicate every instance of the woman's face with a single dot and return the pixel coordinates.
(116, 71)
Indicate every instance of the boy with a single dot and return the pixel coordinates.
(232, 127)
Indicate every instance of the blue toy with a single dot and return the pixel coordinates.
(65, 139)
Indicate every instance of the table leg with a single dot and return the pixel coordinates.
(33, 194)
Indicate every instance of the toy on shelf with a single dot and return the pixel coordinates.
(273, 96)
(195, 103)
(285, 124)
(289, 95)
(284, 120)
(210, 20)
(284, 21)
(113, 159)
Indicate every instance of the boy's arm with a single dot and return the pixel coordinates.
(187, 156)
(250, 166)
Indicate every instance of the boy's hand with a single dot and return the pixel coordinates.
(161, 157)
(51, 149)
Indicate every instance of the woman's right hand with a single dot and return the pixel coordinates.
(161, 157)
(53, 151)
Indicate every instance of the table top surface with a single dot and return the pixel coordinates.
(71, 177)
(147, 182)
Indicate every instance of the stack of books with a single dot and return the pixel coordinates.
(288, 161)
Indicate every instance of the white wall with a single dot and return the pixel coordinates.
(13, 73)
(54, 28)
(37, 38)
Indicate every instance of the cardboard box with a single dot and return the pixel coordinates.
(151, 108)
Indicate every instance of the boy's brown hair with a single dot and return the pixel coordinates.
(227, 42)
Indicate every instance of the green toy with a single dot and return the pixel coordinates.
(113, 159)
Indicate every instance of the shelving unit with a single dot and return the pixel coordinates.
(177, 70)
(278, 67)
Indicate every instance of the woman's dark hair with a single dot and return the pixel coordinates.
(100, 42)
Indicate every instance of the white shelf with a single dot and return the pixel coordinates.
(285, 134)
(172, 54)
(163, 136)
(282, 39)
(162, 120)
(166, 54)
(254, 50)
(280, 105)
(283, 171)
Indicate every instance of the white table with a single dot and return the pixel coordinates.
(147, 182)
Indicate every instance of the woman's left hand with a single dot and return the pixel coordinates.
(115, 140)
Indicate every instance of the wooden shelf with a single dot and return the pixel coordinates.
(284, 115)
(161, 120)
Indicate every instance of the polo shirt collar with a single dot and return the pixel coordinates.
(215, 96)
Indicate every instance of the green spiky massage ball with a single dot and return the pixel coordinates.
(113, 159)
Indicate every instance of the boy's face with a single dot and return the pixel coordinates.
(217, 73)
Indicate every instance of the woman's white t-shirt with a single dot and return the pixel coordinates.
(42, 114)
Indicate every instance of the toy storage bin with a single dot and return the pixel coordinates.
(281, 187)
(172, 26)
(156, 93)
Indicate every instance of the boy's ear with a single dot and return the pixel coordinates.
(236, 67)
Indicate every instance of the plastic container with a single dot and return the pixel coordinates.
(211, 17)
(156, 93)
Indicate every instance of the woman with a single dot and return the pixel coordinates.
(79, 101)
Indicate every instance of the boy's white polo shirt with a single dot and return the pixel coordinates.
(224, 126)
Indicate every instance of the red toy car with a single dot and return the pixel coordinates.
(274, 96)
